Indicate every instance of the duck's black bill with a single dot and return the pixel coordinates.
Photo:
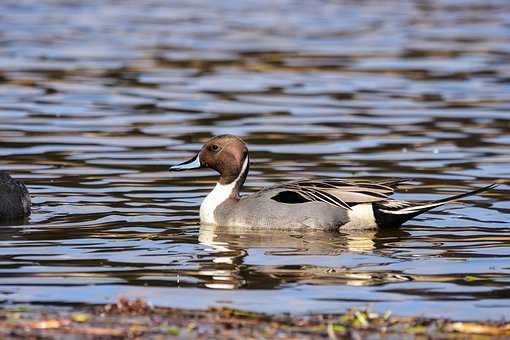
(193, 163)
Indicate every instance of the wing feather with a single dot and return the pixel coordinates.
(341, 193)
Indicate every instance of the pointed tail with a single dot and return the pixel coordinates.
(392, 216)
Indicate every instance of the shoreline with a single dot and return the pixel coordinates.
(135, 318)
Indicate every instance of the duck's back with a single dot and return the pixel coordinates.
(14, 198)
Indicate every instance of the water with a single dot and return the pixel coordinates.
(97, 98)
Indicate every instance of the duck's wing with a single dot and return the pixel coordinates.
(393, 183)
(341, 193)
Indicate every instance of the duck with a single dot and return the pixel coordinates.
(15, 202)
(327, 204)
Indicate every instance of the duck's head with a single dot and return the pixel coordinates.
(227, 154)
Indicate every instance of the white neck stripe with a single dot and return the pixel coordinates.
(220, 194)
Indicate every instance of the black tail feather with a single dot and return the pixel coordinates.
(387, 216)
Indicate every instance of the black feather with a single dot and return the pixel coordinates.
(290, 197)
(387, 216)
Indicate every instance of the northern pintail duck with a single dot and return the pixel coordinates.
(326, 204)
(14, 198)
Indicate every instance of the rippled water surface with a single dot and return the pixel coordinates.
(97, 98)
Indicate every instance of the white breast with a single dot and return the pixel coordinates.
(219, 194)
(360, 217)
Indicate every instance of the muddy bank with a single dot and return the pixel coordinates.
(133, 319)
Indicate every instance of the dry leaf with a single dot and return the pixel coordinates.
(47, 324)
(475, 328)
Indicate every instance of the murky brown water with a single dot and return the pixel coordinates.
(97, 98)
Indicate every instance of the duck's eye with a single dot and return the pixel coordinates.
(214, 147)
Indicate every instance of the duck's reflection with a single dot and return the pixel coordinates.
(224, 239)
(259, 257)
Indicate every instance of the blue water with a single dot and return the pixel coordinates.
(97, 98)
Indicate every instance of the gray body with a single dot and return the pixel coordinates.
(259, 211)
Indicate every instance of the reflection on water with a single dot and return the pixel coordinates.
(287, 243)
(97, 98)
(230, 247)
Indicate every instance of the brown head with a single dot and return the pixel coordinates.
(227, 154)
